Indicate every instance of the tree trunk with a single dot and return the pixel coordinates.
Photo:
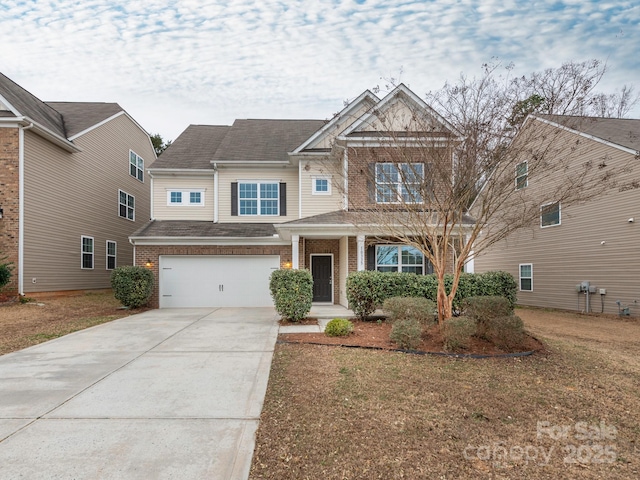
(445, 308)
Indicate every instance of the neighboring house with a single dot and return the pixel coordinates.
(232, 203)
(597, 241)
(73, 187)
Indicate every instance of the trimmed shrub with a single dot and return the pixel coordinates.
(400, 308)
(365, 292)
(498, 283)
(484, 309)
(406, 333)
(506, 332)
(457, 332)
(132, 285)
(292, 293)
(5, 274)
(338, 327)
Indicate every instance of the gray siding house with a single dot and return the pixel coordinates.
(595, 243)
(73, 187)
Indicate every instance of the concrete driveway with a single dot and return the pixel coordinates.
(162, 394)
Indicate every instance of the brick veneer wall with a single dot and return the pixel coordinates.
(326, 246)
(10, 201)
(148, 253)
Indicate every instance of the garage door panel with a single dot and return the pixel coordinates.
(216, 281)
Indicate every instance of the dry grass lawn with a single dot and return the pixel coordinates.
(23, 325)
(569, 413)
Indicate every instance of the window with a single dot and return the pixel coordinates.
(321, 185)
(399, 258)
(136, 166)
(526, 277)
(185, 197)
(87, 252)
(399, 183)
(522, 175)
(111, 255)
(126, 205)
(550, 214)
(258, 198)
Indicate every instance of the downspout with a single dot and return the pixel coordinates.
(299, 190)
(21, 207)
(151, 196)
(345, 172)
(215, 193)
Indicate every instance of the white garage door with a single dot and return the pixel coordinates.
(216, 281)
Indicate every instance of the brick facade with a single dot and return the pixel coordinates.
(10, 200)
(149, 254)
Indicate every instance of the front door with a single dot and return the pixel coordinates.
(321, 270)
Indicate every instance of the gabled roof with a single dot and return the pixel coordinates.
(193, 149)
(624, 132)
(23, 104)
(79, 116)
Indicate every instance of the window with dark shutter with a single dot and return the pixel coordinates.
(371, 257)
(234, 199)
(283, 199)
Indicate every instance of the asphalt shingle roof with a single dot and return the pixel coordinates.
(79, 116)
(193, 149)
(193, 228)
(621, 131)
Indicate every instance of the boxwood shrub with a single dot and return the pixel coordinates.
(418, 308)
(338, 327)
(132, 285)
(292, 293)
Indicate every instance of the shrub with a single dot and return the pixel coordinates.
(506, 332)
(338, 327)
(132, 285)
(501, 284)
(365, 292)
(457, 332)
(292, 293)
(5, 274)
(406, 333)
(484, 309)
(400, 308)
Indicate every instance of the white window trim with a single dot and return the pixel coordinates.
(320, 177)
(82, 252)
(520, 277)
(186, 197)
(559, 214)
(525, 175)
(127, 206)
(398, 184)
(399, 264)
(258, 183)
(137, 168)
(115, 255)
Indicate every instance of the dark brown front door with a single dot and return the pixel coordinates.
(322, 278)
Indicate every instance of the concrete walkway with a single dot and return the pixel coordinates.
(163, 394)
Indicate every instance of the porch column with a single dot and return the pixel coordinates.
(361, 255)
(295, 258)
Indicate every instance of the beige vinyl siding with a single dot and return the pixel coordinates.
(567, 254)
(70, 195)
(317, 204)
(328, 141)
(163, 211)
(287, 175)
(398, 117)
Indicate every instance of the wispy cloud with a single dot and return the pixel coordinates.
(172, 62)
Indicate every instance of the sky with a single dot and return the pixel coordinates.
(171, 63)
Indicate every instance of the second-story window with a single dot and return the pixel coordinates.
(522, 174)
(399, 182)
(257, 198)
(185, 198)
(136, 166)
(126, 205)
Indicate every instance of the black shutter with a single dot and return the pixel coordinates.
(283, 199)
(371, 183)
(234, 199)
(371, 257)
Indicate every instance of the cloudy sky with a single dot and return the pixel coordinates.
(170, 63)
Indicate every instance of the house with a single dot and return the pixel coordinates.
(232, 203)
(585, 256)
(73, 187)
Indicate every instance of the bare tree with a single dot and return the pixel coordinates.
(452, 193)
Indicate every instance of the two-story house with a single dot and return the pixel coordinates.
(583, 256)
(73, 187)
(232, 203)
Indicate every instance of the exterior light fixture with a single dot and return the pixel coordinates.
(287, 264)
(149, 264)
(1, 213)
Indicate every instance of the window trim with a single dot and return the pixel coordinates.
(127, 207)
(399, 265)
(520, 277)
(398, 184)
(138, 169)
(525, 175)
(83, 253)
(314, 179)
(542, 225)
(114, 256)
(185, 200)
(258, 199)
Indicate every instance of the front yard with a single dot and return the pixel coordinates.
(571, 412)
